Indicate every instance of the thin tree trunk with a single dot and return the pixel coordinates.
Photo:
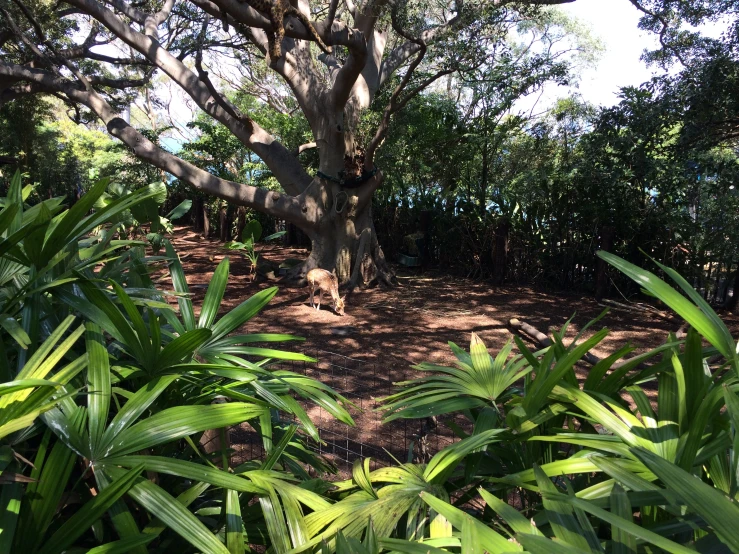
(500, 251)
(198, 214)
(240, 222)
(717, 282)
(707, 280)
(206, 221)
(733, 302)
(223, 230)
(725, 294)
(426, 230)
(601, 275)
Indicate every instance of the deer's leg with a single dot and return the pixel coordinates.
(320, 297)
(311, 296)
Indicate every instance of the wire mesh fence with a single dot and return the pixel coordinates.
(363, 384)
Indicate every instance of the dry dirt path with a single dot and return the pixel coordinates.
(391, 330)
(395, 329)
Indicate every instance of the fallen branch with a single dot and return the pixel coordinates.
(638, 308)
(544, 340)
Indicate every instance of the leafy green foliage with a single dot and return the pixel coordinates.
(103, 381)
(595, 465)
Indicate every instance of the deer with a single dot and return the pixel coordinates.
(325, 281)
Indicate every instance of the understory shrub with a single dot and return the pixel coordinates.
(109, 380)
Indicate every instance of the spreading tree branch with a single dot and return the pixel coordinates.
(270, 202)
(288, 171)
(396, 103)
(663, 31)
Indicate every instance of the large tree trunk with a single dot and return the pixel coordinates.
(344, 238)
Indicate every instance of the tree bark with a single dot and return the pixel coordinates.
(223, 230)
(426, 230)
(206, 221)
(544, 340)
(240, 222)
(198, 214)
(345, 238)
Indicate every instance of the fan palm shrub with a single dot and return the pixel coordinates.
(639, 456)
(107, 382)
(106, 389)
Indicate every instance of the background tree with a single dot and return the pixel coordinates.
(94, 54)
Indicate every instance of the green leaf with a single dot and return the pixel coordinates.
(186, 470)
(626, 526)
(179, 282)
(702, 318)
(537, 544)
(123, 546)
(732, 407)
(14, 330)
(252, 231)
(361, 476)
(173, 514)
(443, 463)
(63, 233)
(10, 505)
(181, 349)
(7, 216)
(67, 429)
(274, 236)
(174, 423)
(216, 348)
(48, 354)
(93, 509)
(517, 522)
(470, 539)
(99, 308)
(560, 515)
(143, 344)
(242, 313)
(488, 539)
(98, 384)
(115, 208)
(623, 543)
(408, 547)
(214, 295)
(121, 517)
(544, 383)
(14, 386)
(34, 242)
(181, 209)
(234, 523)
(136, 405)
(713, 506)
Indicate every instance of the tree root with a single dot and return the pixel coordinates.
(363, 263)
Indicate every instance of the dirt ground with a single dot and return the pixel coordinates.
(389, 331)
(395, 329)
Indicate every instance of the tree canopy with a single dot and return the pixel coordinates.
(96, 55)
